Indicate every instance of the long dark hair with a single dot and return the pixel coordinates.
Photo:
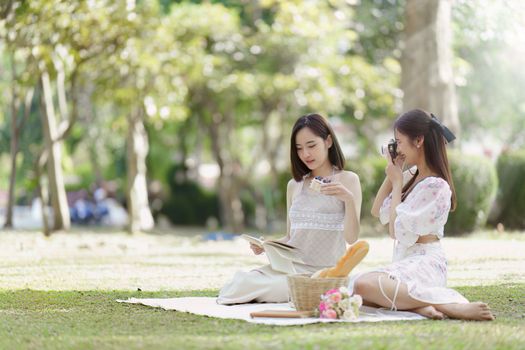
(416, 123)
(320, 127)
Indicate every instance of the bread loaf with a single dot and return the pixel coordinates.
(353, 256)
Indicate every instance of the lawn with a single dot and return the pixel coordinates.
(60, 293)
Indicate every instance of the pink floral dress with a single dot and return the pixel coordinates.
(421, 266)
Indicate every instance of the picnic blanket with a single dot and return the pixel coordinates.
(207, 306)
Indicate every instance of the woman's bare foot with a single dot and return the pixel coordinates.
(477, 311)
(429, 312)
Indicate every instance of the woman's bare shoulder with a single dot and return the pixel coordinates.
(292, 184)
(349, 177)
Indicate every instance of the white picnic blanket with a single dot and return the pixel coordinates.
(209, 307)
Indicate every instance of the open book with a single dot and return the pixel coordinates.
(281, 255)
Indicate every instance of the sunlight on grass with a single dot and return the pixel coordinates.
(181, 260)
(60, 292)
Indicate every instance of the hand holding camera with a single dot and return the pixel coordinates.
(394, 167)
(391, 148)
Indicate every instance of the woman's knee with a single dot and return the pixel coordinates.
(363, 285)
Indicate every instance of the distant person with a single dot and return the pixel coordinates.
(320, 223)
(416, 213)
(83, 209)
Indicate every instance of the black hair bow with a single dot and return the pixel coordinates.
(449, 136)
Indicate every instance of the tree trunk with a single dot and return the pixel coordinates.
(140, 217)
(14, 147)
(12, 177)
(16, 129)
(232, 215)
(427, 78)
(42, 194)
(57, 191)
(231, 206)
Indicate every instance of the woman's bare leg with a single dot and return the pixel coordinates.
(429, 312)
(368, 303)
(368, 287)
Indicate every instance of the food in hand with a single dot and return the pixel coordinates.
(353, 256)
(316, 183)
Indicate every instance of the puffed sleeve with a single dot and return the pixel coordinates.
(424, 211)
(384, 211)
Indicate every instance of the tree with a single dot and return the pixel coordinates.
(53, 35)
(427, 78)
(142, 76)
(18, 106)
(252, 76)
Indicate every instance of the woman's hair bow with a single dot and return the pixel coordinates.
(449, 136)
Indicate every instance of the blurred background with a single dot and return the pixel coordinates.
(159, 113)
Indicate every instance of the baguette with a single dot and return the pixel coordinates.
(353, 256)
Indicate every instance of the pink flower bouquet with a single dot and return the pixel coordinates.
(339, 304)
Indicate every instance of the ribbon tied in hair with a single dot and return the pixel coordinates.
(449, 136)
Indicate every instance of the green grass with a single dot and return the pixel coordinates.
(59, 293)
(93, 319)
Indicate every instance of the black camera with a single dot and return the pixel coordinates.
(391, 147)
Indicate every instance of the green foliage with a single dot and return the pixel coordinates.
(476, 183)
(249, 204)
(206, 73)
(380, 25)
(510, 202)
(371, 171)
(188, 203)
(282, 179)
(229, 70)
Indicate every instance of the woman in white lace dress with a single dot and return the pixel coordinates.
(319, 223)
(416, 213)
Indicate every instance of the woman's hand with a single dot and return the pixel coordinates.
(256, 249)
(394, 171)
(337, 190)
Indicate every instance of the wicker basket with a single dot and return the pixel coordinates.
(306, 292)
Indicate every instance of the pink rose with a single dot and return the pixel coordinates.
(329, 314)
(322, 307)
(332, 291)
(335, 298)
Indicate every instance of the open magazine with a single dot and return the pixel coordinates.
(281, 255)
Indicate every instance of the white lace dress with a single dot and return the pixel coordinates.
(316, 229)
(421, 266)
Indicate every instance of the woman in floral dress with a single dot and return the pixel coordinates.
(416, 213)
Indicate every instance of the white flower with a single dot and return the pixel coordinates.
(345, 304)
(357, 300)
(349, 315)
(344, 290)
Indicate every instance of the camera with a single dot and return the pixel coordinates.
(391, 147)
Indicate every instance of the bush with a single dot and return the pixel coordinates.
(475, 182)
(249, 205)
(371, 171)
(279, 193)
(188, 203)
(510, 202)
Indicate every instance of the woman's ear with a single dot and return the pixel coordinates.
(419, 141)
(329, 142)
